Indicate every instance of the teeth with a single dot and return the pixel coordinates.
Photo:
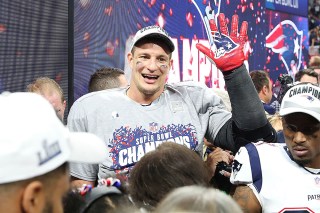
(150, 76)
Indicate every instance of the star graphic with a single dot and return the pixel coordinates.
(228, 45)
(296, 46)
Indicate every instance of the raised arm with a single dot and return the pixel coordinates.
(248, 122)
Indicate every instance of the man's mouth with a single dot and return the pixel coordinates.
(300, 151)
(152, 77)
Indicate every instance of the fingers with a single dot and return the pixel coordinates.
(225, 173)
(243, 37)
(213, 26)
(244, 28)
(234, 27)
(205, 50)
(223, 24)
(219, 155)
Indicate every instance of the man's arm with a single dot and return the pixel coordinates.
(246, 199)
(80, 173)
(248, 122)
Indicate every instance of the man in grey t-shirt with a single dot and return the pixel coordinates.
(134, 120)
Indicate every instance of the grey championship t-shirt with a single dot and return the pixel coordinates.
(184, 113)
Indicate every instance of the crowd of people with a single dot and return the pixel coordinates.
(149, 146)
(314, 29)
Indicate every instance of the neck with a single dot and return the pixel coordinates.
(315, 164)
(141, 98)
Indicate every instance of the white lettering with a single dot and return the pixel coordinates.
(190, 61)
(140, 152)
(219, 52)
(174, 73)
(132, 155)
(122, 157)
(50, 151)
(183, 140)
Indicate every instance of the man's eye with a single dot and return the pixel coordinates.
(292, 128)
(143, 57)
(162, 60)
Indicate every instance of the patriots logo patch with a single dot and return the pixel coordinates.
(310, 98)
(236, 166)
(224, 45)
(286, 40)
(317, 180)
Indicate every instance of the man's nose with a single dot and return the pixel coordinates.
(152, 65)
(299, 137)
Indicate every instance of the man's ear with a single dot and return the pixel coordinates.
(265, 89)
(170, 63)
(33, 198)
(130, 58)
(64, 104)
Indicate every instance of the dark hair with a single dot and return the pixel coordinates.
(105, 78)
(73, 202)
(54, 174)
(111, 203)
(99, 199)
(309, 72)
(314, 67)
(260, 78)
(168, 167)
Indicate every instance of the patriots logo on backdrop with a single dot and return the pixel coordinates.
(208, 9)
(286, 40)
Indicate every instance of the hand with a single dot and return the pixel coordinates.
(216, 156)
(228, 49)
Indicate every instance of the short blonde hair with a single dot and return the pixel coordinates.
(44, 85)
(276, 122)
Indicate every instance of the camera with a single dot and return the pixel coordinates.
(223, 166)
(285, 79)
(286, 82)
(220, 181)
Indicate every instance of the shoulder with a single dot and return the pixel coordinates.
(264, 147)
(93, 101)
(115, 92)
(247, 166)
(187, 85)
(193, 89)
(255, 151)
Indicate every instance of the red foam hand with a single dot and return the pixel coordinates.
(228, 52)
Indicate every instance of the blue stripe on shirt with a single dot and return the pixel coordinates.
(255, 166)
